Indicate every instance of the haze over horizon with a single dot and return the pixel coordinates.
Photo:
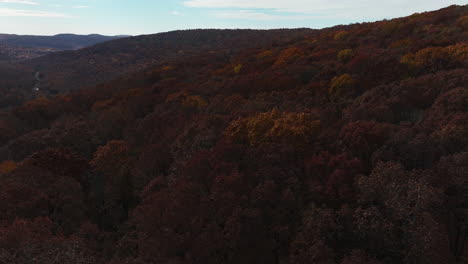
(120, 17)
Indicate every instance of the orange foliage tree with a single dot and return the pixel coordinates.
(287, 56)
(437, 58)
(7, 167)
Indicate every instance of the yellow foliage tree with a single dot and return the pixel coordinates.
(345, 55)
(340, 85)
(342, 35)
(238, 68)
(436, 58)
(275, 127)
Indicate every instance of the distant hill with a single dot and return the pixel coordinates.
(23, 47)
(59, 42)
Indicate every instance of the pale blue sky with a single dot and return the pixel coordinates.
(134, 17)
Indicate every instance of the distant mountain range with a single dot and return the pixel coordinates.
(21, 47)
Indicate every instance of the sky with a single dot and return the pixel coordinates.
(136, 17)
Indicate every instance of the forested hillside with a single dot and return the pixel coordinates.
(70, 70)
(345, 145)
(106, 61)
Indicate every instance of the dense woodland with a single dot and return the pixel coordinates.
(74, 69)
(346, 145)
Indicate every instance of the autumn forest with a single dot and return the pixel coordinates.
(346, 145)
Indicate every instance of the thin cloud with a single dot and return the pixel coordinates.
(253, 15)
(9, 12)
(81, 6)
(23, 2)
(355, 9)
